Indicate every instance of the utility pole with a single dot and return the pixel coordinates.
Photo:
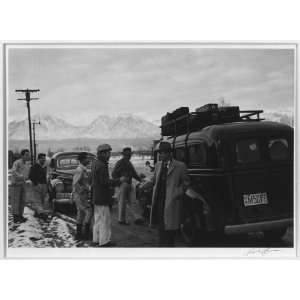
(28, 99)
(34, 143)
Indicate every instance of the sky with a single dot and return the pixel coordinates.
(80, 84)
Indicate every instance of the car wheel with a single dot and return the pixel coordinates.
(275, 234)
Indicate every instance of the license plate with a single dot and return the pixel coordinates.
(255, 199)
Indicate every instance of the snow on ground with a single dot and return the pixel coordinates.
(59, 233)
(60, 230)
(36, 233)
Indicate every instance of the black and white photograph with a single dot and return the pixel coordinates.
(183, 147)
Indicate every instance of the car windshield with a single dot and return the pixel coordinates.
(69, 162)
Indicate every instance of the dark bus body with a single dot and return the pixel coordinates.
(245, 172)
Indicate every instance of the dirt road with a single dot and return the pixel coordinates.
(60, 230)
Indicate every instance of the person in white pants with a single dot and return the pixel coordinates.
(102, 192)
(102, 226)
(126, 195)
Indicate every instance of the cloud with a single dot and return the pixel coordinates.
(149, 82)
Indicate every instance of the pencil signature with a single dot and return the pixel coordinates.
(261, 252)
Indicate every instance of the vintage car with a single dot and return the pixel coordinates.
(61, 170)
(240, 165)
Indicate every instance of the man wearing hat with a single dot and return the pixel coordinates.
(170, 181)
(126, 196)
(102, 191)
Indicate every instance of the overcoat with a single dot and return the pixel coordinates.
(177, 181)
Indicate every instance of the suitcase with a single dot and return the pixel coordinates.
(229, 113)
(165, 118)
(202, 119)
(181, 111)
(168, 128)
(211, 107)
(175, 128)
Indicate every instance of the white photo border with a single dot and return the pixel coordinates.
(144, 252)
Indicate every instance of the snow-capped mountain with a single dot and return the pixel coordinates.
(103, 127)
(51, 127)
(123, 126)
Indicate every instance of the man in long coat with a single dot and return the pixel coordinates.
(170, 181)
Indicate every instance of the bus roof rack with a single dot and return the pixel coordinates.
(250, 113)
(181, 121)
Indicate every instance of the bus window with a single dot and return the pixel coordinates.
(198, 155)
(247, 151)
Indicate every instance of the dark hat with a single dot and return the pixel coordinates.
(164, 147)
(126, 149)
(103, 147)
(82, 156)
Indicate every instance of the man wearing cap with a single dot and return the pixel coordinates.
(170, 181)
(126, 195)
(102, 191)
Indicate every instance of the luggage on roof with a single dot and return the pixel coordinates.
(230, 113)
(179, 112)
(213, 107)
(181, 121)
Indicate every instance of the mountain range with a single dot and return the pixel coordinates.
(103, 127)
(125, 126)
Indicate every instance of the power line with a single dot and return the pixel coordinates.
(34, 143)
(28, 99)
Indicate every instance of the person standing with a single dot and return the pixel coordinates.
(170, 180)
(19, 173)
(127, 193)
(38, 176)
(80, 192)
(102, 192)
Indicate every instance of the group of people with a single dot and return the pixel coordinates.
(169, 182)
(93, 193)
(102, 188)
